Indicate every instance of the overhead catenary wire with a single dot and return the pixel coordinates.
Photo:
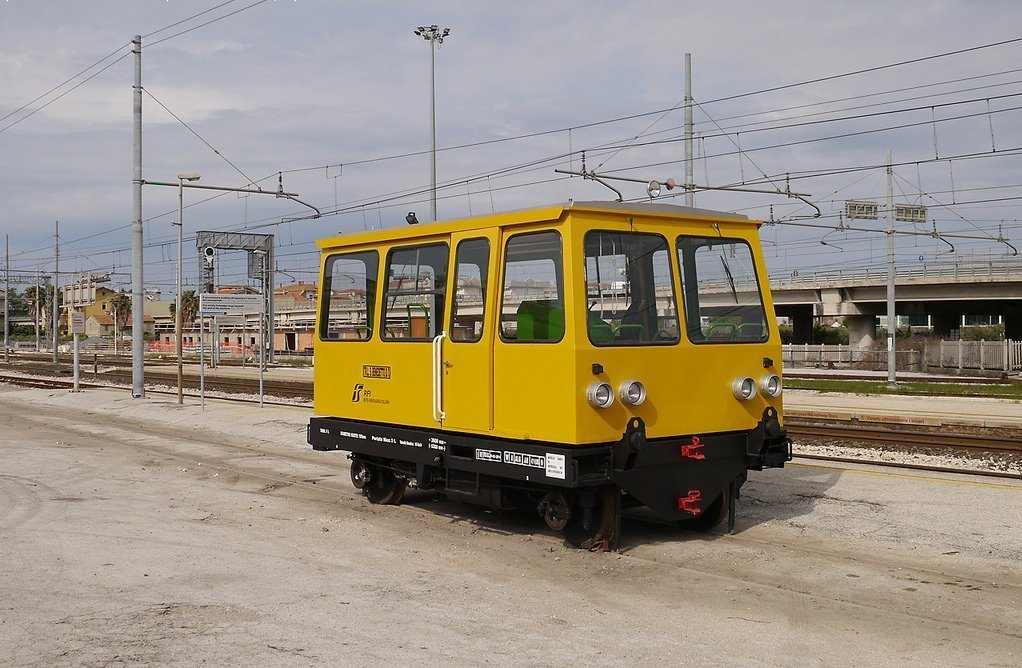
(200, 138)
(202, 25)
(186, 20)
(409, 194)
(65, 82)
(126, 45)
(66, 92)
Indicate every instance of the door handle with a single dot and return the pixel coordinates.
(438, 378)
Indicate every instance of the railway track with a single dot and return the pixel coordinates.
(297, 390)
(120, 360)
(66, 384)
(875, 436)
(42, 383)
(868, 437)
(988, 473)
(223, 384)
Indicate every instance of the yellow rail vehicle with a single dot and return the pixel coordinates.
(575, 358)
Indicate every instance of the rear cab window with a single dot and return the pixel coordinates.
(349, 296)
(720, 291)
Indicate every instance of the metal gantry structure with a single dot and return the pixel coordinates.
(21, 277)
(261, 266)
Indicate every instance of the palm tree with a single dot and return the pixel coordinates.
(120, 304)
(189, 306)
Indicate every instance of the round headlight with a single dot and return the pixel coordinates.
(653, 189)
(771, 385)
(744, 389)
(600, 395)
(632, 392)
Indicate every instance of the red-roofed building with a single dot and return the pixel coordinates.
(103, 325)
(296, 295)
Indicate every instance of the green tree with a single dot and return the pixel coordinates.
(120, 305)
(189, 306)
(18, 305)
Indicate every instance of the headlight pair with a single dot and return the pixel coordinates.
(601, 395)
(744, 388)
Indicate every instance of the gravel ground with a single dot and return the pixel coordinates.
(136, 531)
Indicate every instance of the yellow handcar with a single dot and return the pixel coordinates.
(575, 359)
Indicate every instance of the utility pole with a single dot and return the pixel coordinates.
(56, 285)
(181, 178)
(7, 295)
(690, 193)
(35, 308)
(892, 317)
(137, 303)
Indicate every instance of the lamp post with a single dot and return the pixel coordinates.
(181, 178)
(435, 36)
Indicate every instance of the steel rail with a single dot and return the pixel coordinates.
(916, 439)
(915, 467)
(61, 384)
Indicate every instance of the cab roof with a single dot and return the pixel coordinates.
(532, 215)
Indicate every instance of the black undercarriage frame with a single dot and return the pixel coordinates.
(678, 478)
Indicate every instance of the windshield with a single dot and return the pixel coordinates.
(629, 291)
(722, 299)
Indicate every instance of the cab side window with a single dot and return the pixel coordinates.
(469, 299)
(532, 306)
(413, 297)
(349, 296)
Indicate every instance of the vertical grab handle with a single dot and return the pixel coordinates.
(438, 378)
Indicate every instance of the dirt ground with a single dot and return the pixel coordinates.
(136, 531)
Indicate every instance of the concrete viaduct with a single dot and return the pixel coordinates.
(945, 292)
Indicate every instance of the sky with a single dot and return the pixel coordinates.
(335, 95)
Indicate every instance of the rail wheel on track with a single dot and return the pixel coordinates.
(358, 474)
(592, 523)
(382, 487)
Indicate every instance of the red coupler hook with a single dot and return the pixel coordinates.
(690, 503)
(694, 451)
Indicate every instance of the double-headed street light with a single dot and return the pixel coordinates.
(181, 178)
(435, 36)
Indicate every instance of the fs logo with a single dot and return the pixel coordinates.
(356, 395)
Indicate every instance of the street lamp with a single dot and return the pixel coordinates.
(181, 178)
(435, 36)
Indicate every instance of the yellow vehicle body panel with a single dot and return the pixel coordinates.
(537, 391)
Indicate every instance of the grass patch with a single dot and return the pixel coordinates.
(1000, 390)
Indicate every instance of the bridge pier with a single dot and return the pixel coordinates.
(1013, 322)
(801, 324)
(944, 323)
(862, 331)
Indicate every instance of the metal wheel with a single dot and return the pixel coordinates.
(358, 473)
(709, 518)
(552, 518)
(383, 487)
(591, 526)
